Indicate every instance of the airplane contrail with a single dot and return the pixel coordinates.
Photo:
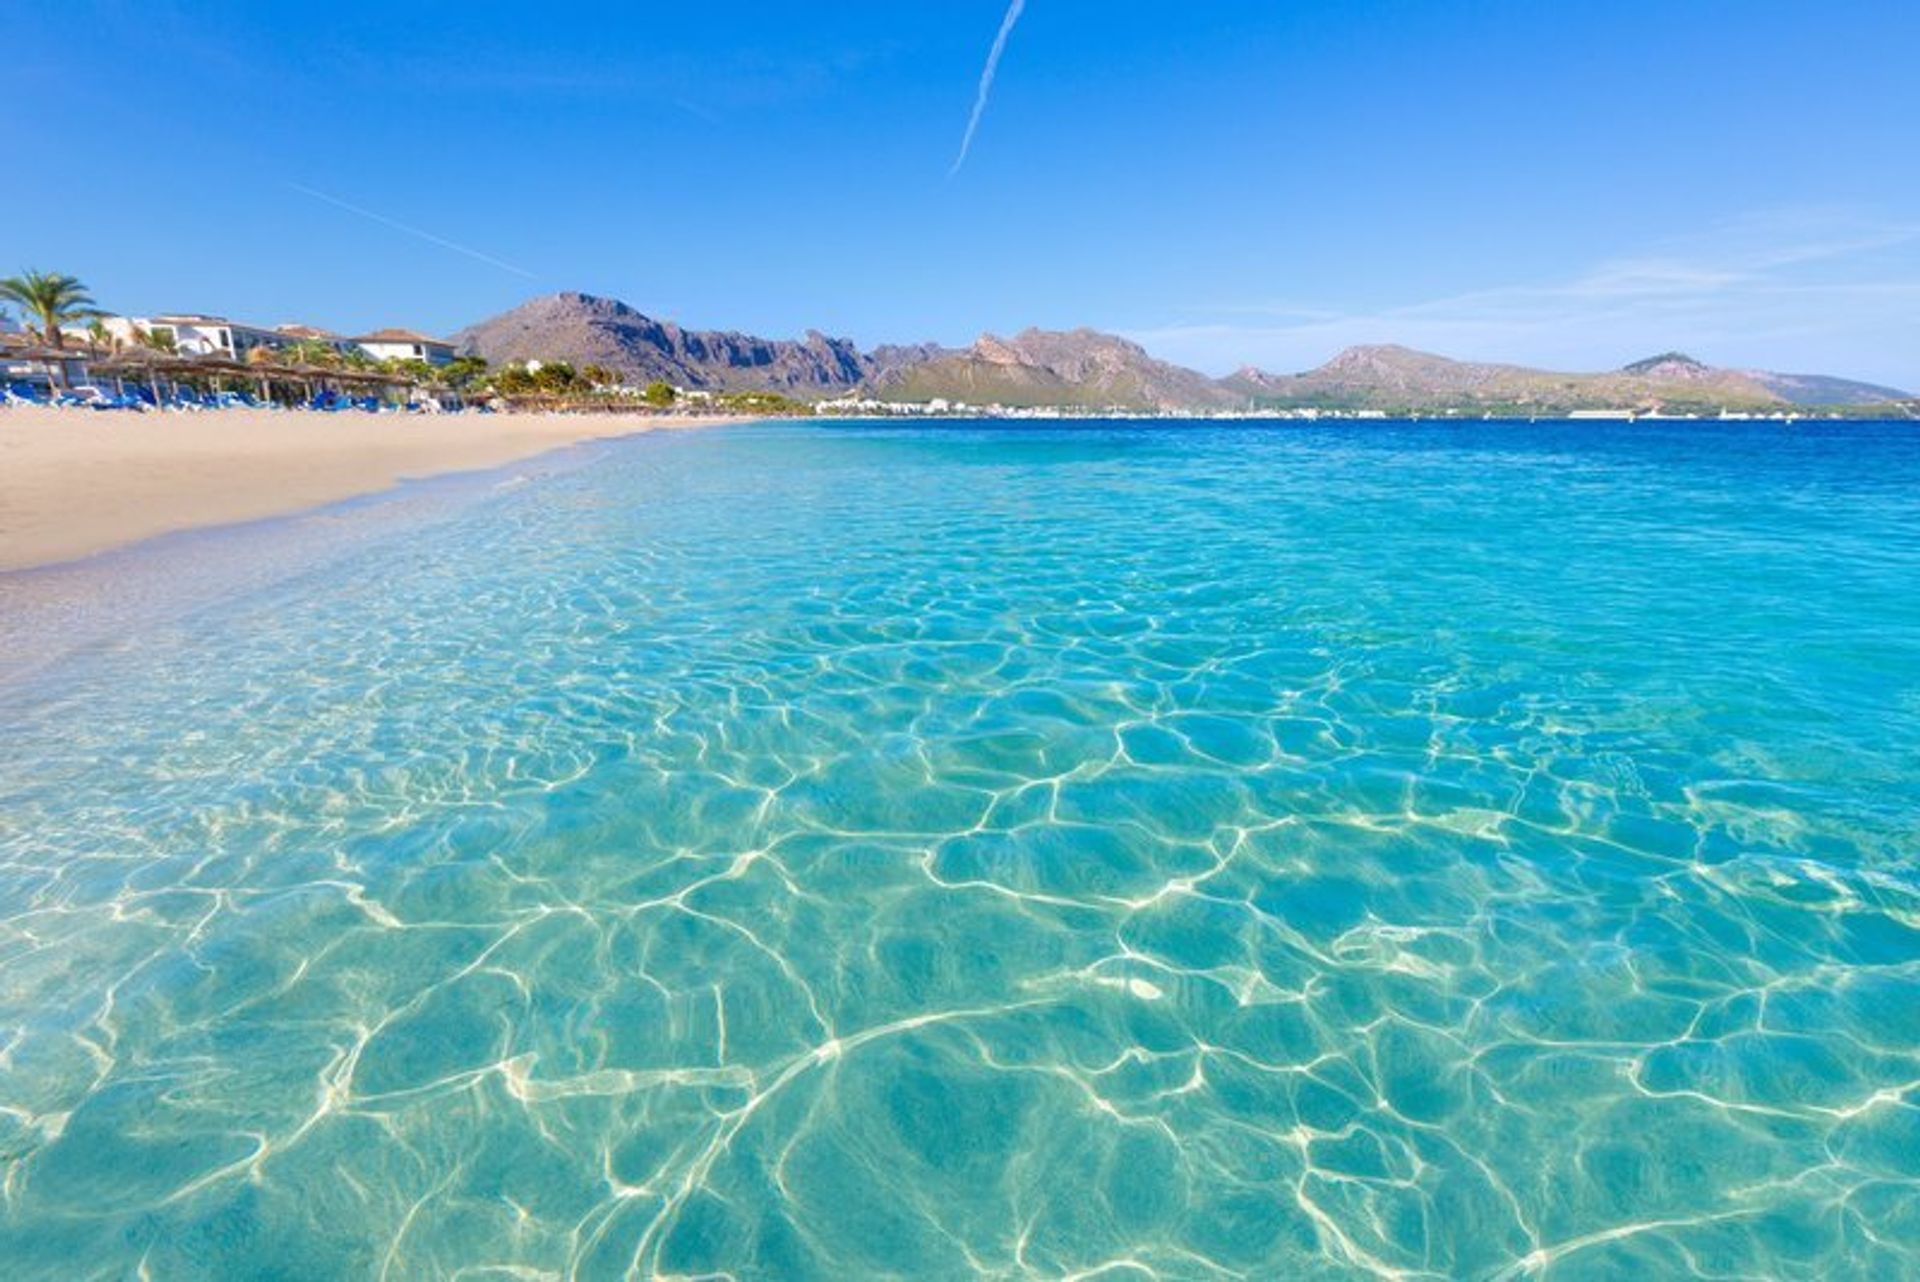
(397, 225)
(986, 81)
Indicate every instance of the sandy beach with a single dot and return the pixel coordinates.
(73, 483)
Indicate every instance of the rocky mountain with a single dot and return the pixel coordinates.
(1387, 377)
(1382, 377)
(890, 357)
(1078, 368)
(585, 330)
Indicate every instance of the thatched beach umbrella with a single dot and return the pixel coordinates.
(310, 375)
(140, 363)
(53, 361)
(149, 364)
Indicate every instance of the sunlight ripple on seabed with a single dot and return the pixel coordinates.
(1474, 852)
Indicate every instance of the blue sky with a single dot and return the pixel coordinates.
(1230, 181)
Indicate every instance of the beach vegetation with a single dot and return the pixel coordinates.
(770, 403)
(417, 370)
(52, 299)
(660, 394)
(557, 377)
(462, 373)
(514, 380)
(547, 378)
(313, 353)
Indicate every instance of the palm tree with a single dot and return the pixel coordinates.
(159, 340)
(51, 298)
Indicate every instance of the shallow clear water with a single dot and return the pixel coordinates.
(788, 852)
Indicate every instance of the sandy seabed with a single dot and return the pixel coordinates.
(77, 482)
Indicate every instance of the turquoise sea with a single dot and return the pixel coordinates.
(1478, 851)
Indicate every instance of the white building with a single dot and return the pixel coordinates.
(192, 334)
(195, 335)
(405, 345)
(216, 336)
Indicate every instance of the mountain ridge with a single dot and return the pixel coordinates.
(1092, 370)
(588, 330)
(1391, 377)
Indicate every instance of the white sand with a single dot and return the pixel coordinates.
(75, 482)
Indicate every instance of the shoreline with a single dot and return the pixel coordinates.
(74, 484)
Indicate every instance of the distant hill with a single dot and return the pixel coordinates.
(585, 330)
(1086, 369)
(1389, 377)
(1820, 389)
(1795, 389)
(1384, 376)
(1081, 368)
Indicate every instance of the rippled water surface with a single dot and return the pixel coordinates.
(826, 852)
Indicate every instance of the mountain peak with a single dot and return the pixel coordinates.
(574, 300)
(1397, 366)
(1671, 365)
(1377, 351)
